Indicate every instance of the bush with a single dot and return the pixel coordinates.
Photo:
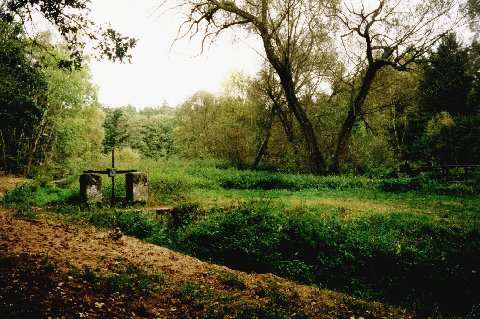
(135, 224)
(240, 236)
(39, 192)
(263, 180)
(399, 258)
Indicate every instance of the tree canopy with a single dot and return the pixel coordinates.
(70, 18)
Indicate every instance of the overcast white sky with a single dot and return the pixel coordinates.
(157, 72)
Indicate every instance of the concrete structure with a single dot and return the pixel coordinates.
(91, 188)
(136, 187)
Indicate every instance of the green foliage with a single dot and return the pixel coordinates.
(439, 132)
(232, 281)
(73, 121)
(428, 184)
(404, 254)
(447, 80)
(278, 304)
(118, 283)
(149, 132)
(47, 264)
(401, 258)
(466, 137)
(191, 293)
(39, 192)
(401, 184)
(52, 122)
(125, 279)
(134, 224)
(444, 128)
(263, 180)
(22, 101)
(70, 19)
(26, 213)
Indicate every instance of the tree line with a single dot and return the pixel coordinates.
(344, 87)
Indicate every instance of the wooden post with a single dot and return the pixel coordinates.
(112, 175)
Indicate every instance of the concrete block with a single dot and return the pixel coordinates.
(136, 187)
(91, 188)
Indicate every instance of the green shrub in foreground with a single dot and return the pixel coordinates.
(399, 258)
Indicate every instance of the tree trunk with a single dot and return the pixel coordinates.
(36, 143)
(283, 68)
(263, 147)
(354, 111)
(317, 164)
(4, 151)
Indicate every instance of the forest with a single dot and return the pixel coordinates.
(349, 163)
(414, 98)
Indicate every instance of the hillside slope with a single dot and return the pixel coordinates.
(53, 269)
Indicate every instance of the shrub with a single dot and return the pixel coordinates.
(39, 192)
(135, 224)
(402, 184)
(400, 258)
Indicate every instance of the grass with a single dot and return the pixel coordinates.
(124, 280)
(412, 242)
(277, 304)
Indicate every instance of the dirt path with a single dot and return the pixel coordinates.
(44, 268)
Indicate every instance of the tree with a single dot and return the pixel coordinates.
(297, 35)
(158, 135)
(472, 9)
(440, 135)
(292, 32)
(23, 96)
(70, 18)
(49, 114)
(70, 132)
(389, 33)
(446, 82)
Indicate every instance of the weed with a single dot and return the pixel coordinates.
(38, 193)
(121, 283)
(25, 214)
(125, 280)
(232, 281)
(192, 293)
(89, 275)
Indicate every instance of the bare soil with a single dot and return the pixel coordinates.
(53, 269)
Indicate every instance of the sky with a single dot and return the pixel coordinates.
(158, 72)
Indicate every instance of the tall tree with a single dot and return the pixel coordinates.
(295, 33)
(23, 96)
(292, 32)
(446, 83)
(387, 33)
